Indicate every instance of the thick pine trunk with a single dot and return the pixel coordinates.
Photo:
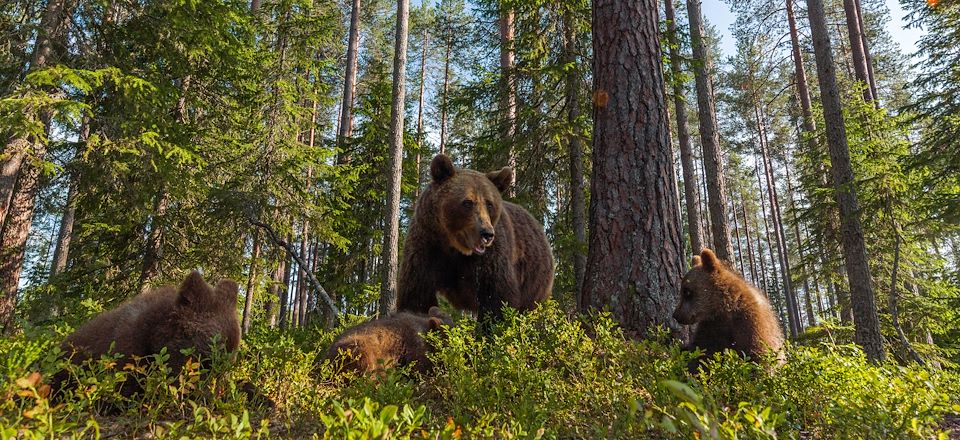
(690, 192)
(13, 240)
(862, 298)
(709, 137)
(391, 237)
(635, 243)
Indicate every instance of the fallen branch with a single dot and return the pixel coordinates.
(290, 251)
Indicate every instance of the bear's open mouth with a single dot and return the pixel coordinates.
(480, 249)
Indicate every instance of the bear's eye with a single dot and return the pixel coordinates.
(687, 293)
(467, 203)
(490, 206)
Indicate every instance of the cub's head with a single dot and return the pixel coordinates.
(203, 312)
(702, 292)
(468, 204)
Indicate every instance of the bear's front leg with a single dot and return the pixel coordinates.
(496, 283)
(416, 285)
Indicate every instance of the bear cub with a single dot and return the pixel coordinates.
(191, 316)
(396, 340)
(730, 313)
(468, 244)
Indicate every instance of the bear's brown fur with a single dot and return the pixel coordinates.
(468, 244)
(730, 313)
(387, 342)
(188, 317)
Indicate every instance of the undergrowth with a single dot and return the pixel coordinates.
(538, 375)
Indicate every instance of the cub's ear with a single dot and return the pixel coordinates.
(502, 179)
(441, 168)
(695, 261)
(710, 260)
(436, 313)
(227, 290)
(194, 292)
(434, 324)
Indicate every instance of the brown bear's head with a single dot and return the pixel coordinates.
(705, 290)
(202, 312)
(469, 204)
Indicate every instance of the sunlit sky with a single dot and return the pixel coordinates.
(717, 12)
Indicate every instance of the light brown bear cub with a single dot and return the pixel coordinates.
(471, 246)
(188, 317)
(730, 312)
(396, 340)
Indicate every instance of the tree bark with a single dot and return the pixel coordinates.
(746, 232)
(153, 247)
(420, 132)
(690, 192)
(443, 97)
(349, 82)
(811, 318)
(635, 244)
(65, 235)
(858, 55)
(709, 137)
(251, 284)
(13, 240)
(800, 80)
(575, 143)
(391, 237)
(509, 97)
(871, 79)
(866, 321)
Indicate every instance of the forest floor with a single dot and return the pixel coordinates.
(540, 375)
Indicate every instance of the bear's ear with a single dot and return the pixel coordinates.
(695, 261)
(194, 292)
(502, 179)
(436, 313)
(709, 259)
(434, 324)
(227, 291)
(442, 168)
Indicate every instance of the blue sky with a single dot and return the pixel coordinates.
(718, 13)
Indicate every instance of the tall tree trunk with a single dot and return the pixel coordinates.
(736, 233)
(153, 247)
(894, 295)
(65, 234)
(420, 132)
(391, 237)
(284, 292)
(746, 232)
(866, 321)
(858, 55)
(577, 197)
(709, 137)
(766, 228)
(443, 98)
(800, 80)
(251, 284)
(635, 243)
(509, 97)
(13, 240)
(811, 318)
(690, 192)
(349, 82)
(793, 311)
(871, 79)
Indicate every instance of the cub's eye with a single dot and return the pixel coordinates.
(467, 204)
(687, 293)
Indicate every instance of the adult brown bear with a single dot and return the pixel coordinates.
(730, 313)
(191, 316)
(468, 244)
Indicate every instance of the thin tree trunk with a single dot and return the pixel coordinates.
(736, 233)
(766, 226)
(251, 284)
(153, 247)
(349, 82)
(509, 97)
(391, 237)
(709, 137)
(284, 291)
(635, 242)
(866, 321)
(65, 235)
(811, 318)
(420, 132)
(858, 55)
(443, 98)
(800, 80)
(894, 296)
(690, 192)
(577, 197)
(746, 230)
(793, 311)
(871, 79)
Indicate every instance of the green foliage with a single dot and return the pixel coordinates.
(537, 375)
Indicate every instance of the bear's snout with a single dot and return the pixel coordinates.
(487, 235)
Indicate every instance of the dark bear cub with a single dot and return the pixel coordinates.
(396, 340)
(468, 244)
(730, 313)
(191, 316)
